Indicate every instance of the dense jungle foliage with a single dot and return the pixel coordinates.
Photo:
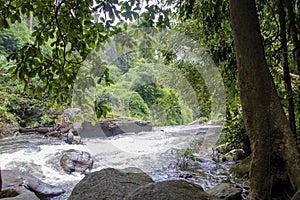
(51, 56)
(42, 48)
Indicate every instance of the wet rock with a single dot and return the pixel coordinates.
(13, 181)
(242, 168)
(76, 161)
(219, 151)
(27, 186)
(234, 155)
(226, 191)
(110, 184)
(215, 122)
(186, 175)
(23, 196)
(167, 190)
(223, 148)
(29, 167)
(73, 138)
(41, 189)
(113, 128)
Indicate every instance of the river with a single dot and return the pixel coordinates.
(158, 153)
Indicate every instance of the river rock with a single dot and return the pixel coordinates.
(169, 190)
(41, 189)
(234, 155)
(76, 161)
(112, 128)
(27, 186)
(222, 148)
(242, 168)
(29, 167)
(110, 184)
(73, 138)
(226, 191)
(23, 196)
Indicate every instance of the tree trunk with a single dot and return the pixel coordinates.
(293, 31)
(272, 142)
(285, 66)
(30, 22)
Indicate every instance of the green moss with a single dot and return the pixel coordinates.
(242, 169)
(8, 193)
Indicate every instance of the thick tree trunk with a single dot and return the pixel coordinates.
(285, 66)
(268, 129)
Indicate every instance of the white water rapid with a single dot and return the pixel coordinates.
(154, 152)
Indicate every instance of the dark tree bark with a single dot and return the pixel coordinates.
(274, 150)
(285, 65)
(293, 31)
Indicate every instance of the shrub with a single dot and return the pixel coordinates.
(137, 107)
(235, 132)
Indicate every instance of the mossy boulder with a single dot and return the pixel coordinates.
(166, 190)
(242, 168)
(110, 184)
(8, 193)
(226, 191)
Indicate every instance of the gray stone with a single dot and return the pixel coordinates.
(222, 148)
(28, 186)
(41, 189)
(242, 168)
(23, 196)
(112, 128)
(76, 161)
(110, 184)
(72, 138)
(234, 155)
(226, 191)
(169, 190)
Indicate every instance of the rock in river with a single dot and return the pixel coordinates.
(226, 191)
(109, 128)
(169, 190)
(28, 187)
(109, 184)
(76, 161)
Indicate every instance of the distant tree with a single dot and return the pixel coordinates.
(71, 29)
(138, 107)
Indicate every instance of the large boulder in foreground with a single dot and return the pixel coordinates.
(226, 191)
(27, 187)
(109, 184)
(76, 161)
(169, 190)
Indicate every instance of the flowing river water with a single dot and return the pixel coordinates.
(159, 153)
